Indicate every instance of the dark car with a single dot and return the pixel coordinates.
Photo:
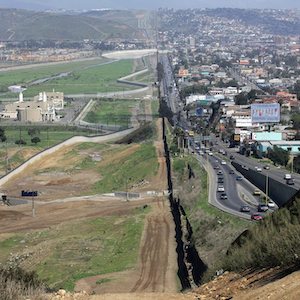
(256, 217)
(220, 172)
(245, 208)
(223, 196)
(231, 172)
(231, 157)
(262, 207)
(239, 178)
(290, 181)
(220, 180)
(266, 167)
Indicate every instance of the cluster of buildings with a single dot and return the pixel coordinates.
(43, 108)
(232, 57)
(41, 55)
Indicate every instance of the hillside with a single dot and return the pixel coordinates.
(16, 25)
(273, 242)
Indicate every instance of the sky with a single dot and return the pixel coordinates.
(147, 4)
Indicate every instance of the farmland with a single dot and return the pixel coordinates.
(85, 77)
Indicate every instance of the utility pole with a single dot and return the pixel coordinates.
(267, 187)
(33, 208)
(127, 193)
(6, 157)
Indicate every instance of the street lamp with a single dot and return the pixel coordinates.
(267, 187)
(127, 193)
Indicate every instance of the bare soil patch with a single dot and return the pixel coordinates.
(19, 218)
(156, 269)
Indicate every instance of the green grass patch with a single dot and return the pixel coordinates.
(48, 137)
(123, 173)
(97, 79)
(111, 112)
(82, 248)
(154, 106)
(103, 280)
(29, 74)
(8, 244)
(146, 77)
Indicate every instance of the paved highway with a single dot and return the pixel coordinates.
(273, 172)
(233, 188)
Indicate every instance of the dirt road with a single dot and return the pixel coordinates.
(157, 265)
(157, 262)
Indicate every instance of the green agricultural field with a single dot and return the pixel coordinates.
(86, 77)
(26, 75)
(93, 80)
(111, 112)
(80, 249)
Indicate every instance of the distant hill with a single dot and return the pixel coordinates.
(16, 25)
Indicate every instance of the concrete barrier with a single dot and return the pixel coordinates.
(280, 193)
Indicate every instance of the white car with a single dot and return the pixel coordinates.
(271, 204)
(220, 188)
(210, 153)
(287, 176)
(258, 169)
(223, 162)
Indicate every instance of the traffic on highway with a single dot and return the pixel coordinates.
(229, 190)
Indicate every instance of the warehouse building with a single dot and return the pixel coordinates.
(42, 109)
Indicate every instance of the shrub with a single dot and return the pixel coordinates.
(20, 142)
(35, 140)
(17, 284)
(275, 241)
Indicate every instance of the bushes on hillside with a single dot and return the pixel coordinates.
(142, 134)
(18, 284)
(275, 241)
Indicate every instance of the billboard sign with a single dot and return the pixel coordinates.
(29, 193)
(265, 113)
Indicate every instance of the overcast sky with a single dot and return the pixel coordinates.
(148, 4)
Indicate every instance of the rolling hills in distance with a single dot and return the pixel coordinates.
(18, 24)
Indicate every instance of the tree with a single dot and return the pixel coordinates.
(20, 142)
(2, 135)
(241, 99)
(278, 156)
(297, 164)
(296, 121)
(33, 131)
(193, 89)
(35, 140)
(297, 89)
